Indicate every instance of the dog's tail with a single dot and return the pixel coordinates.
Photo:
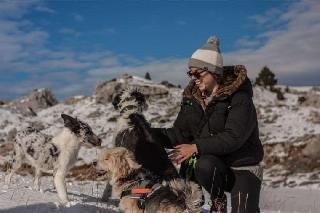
(190, 191)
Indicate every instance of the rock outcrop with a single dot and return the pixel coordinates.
(105, 91)
(38, 100)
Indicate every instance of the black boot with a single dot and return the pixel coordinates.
(219, 204)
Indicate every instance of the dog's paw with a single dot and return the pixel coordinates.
(54, 205)
(64, 202)
(36, 188)
(7, 180)
(71, 203)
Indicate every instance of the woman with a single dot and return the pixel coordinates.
(218, 124)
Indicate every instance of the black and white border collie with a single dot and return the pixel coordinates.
(135, 133)
(45, 153)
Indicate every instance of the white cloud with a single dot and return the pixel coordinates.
(45, 9)
(244, 42)
(293, 50)
(173, 70)
(15, 9)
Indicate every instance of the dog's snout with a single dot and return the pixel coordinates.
(101, 172)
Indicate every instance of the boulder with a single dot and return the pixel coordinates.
(3, 102)
(74, 99)
(31, 104)
(312, 149)
(105, 91)
(314, 117)
(311, 99)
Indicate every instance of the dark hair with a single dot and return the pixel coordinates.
(219, 78)
(227, 77)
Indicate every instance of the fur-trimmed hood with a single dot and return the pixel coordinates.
(235, 79)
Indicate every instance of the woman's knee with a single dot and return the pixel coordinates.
(206, 166)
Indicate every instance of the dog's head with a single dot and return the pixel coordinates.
(81, 130)
(118, 161)
(130, 99)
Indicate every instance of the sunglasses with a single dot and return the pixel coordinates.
(196, 73)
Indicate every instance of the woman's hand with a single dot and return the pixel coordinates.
(182, 152)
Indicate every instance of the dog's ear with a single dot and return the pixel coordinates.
(116, 100)
(71, 123)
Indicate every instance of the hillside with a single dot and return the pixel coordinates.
(289, 128)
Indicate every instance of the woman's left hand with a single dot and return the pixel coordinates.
(182, 152)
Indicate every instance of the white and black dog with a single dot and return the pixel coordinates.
(135, 133)
(46, 153)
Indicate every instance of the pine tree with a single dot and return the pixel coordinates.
(147, 76)
(266, 78)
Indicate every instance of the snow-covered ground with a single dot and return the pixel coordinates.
(84, 197)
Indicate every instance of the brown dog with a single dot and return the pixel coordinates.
(128, 176)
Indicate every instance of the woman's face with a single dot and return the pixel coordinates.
(205, 81)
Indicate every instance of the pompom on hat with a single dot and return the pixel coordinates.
(208, 57)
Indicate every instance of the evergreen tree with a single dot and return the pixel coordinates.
(266, 78)
(147, 76)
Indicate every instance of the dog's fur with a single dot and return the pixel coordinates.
(134, 133)
(46, 153)
(175, 196)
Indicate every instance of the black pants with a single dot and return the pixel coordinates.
(216, 177)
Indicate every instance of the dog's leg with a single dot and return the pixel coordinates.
(107, 192)
(16, 164)
(59, 182)
(36, 180)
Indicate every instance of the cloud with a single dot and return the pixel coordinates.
(173, 70)
(45, 9)
(292, 50)
(77, 17)
(244, 42)
(289, 46)
(69, 31)
(15, 9)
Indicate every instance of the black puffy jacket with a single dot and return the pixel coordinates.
(226, 127)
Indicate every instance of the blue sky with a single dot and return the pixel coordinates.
(70, 46)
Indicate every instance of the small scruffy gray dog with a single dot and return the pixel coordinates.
(45, 153)
(174, 196)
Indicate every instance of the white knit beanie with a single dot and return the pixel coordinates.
(208, 57)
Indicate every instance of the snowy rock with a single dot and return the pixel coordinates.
(74, 100)
(314, 117)
(312, 150)
(107, 90)
(3, 102)
(31, 104)
(312, 99)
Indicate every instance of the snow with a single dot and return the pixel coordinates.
(84, 197)
(9, 120)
